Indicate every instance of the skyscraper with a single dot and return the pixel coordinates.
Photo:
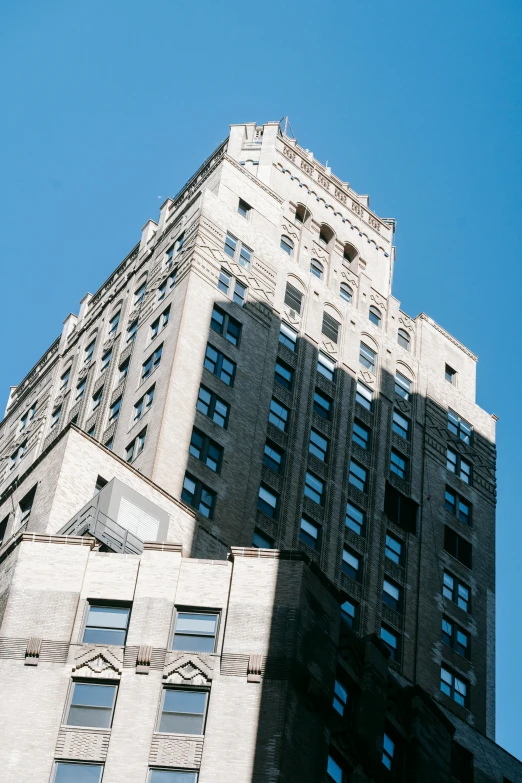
(266, 423)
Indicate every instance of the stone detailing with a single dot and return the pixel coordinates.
(32, 652)
(187, 669)
(143, 659)
(171, 750)
(99, 661)
(157, 658)
(82, 744)
(255, 666)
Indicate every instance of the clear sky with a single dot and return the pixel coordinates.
(108, 107)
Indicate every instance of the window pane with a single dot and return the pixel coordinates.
(170, 776)
(108, 617)
(77, 773)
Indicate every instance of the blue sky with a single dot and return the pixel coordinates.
(109, 107)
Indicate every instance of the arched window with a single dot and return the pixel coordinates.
(302, 214)
(349, 253)
(316, 268)
(346, 292)
(325, 234)
(287, 245)
(375, 316)
(403, 338)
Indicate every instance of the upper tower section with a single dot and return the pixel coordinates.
(336, 218)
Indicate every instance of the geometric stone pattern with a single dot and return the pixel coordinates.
(82, 744)
(187, 669)
(98, 661)
(172, 751)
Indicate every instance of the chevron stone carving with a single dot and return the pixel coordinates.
(187, 669)
(98, 661)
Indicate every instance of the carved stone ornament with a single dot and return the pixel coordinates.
(187, 669)
(367, 376)
(407, 323)
(290, 231)
(32, 653)
(108, 344)
(255, 667)
(291, 315)
(330, 348)
(97, 661)
(350, 278)
(143, 659)
(83, 372)
(379, 301)
(135, 313)
(288, 153)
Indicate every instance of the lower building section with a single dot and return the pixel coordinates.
(151, 667)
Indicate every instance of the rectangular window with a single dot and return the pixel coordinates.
(56, 415)
(92, 704)
(26, 506)
(80, 388)
(394, 549)
(240, 292)
(132, 330)
(195, 631)
(106, 625)
(268, 501)
(454, 686)
(123, 370)
(309, 533)
(97, 398)
(139, 294)
(114, 323)
(183, 711)
(245, 256)
(288, 337)
(455, 637)
(29, 414)
(450, 374)
(459, 427)
(351, 564)
(284, 375)
(199, 496)
(340, 699)
(219, 365)
(206, 450)
(171, 776)
(169, 255)
(162, 291)
(105, 360)
(398, 464)
(171, 280)
(114, 410)
(391, 595)
(367, 357)
(323, 405)
(293, 298)
(278, 415)
(462, 764)
(392, 641)
(136, 446)
(224, 281)
(230, 245)
(243, 208)
(273, 457)
(388, 751)
(349, 613)
(402, 386)
(456, 591)
(457, 505)
(354, 518)
(457, 546)
(459, 466)
(261, 540)
(318, 446)
(213, 406)
(330, 328)
(72, 772)
(144, 403)
(89, 352)
(361, 434)
(326, 366)
(364, 396)
(314, 488)
(152, 363)
(401, 425)
(3, 528)
(400, 508)
(334, 771)
(226, 326)
(358, 476)
(18, 455)
(159, 324)
(64, 380)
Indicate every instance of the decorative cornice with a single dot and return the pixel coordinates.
(254, 179)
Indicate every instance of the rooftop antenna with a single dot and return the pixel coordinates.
(287, 128)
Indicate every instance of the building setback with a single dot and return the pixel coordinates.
(247, 508)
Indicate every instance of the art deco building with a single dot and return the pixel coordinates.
(247, 508)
